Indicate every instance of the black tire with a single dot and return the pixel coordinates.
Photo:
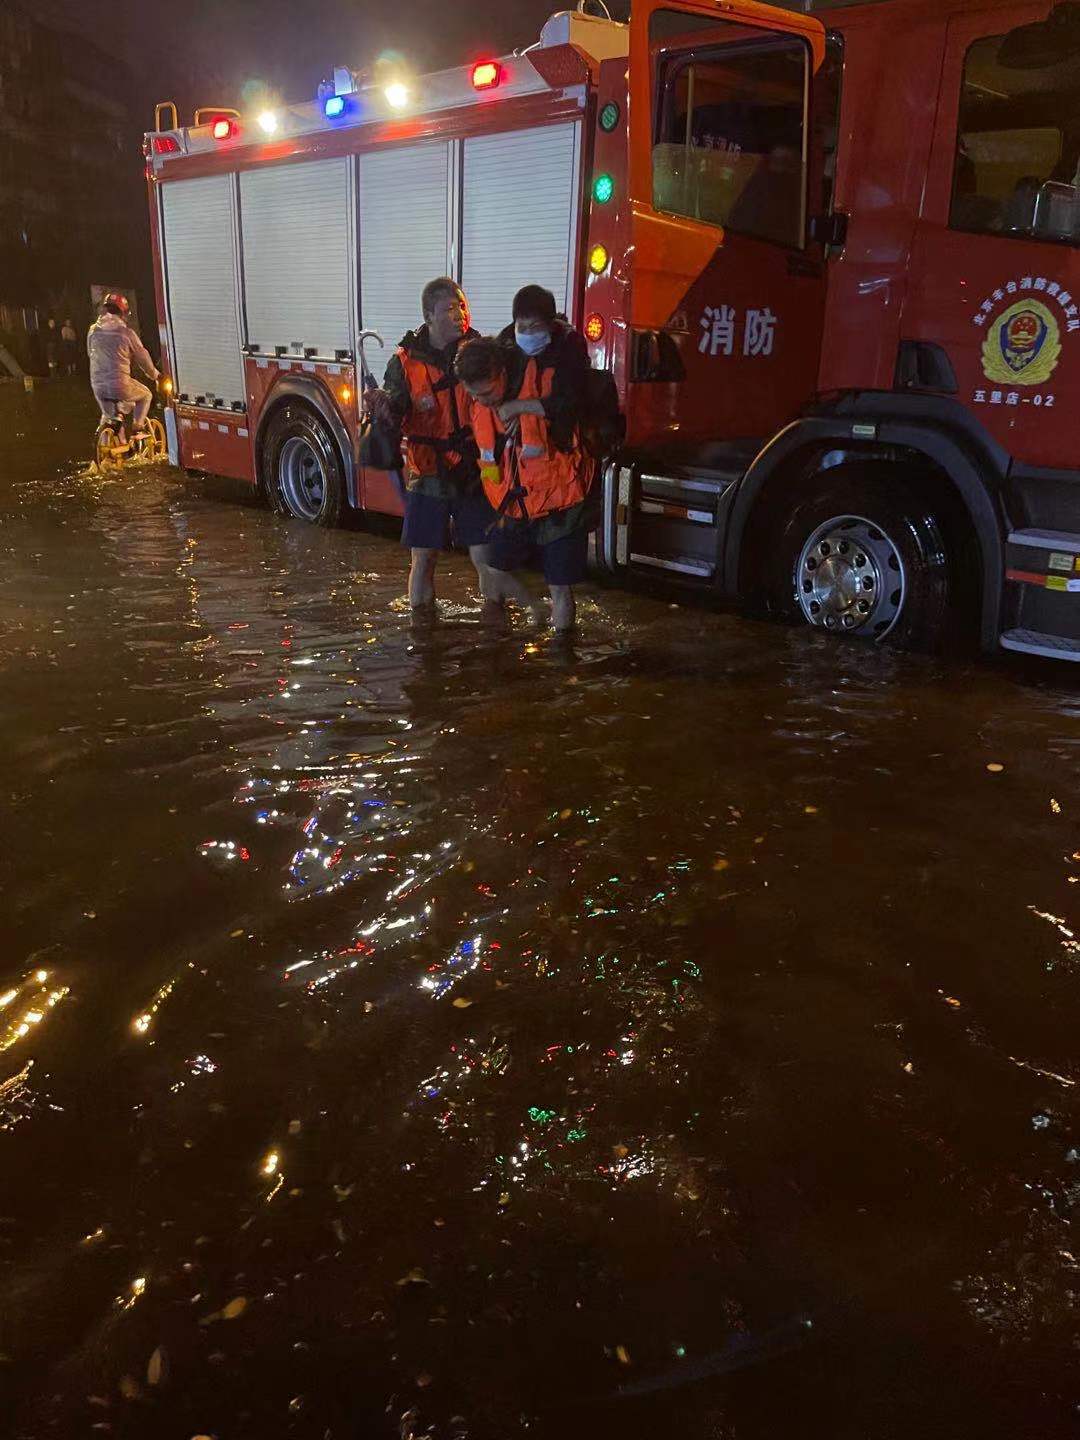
(881, 522)
(303, 475)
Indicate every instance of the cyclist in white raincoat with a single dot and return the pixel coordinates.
(114, 349)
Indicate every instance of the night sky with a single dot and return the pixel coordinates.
(203, 52)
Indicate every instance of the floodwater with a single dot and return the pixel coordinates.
(449, 1033)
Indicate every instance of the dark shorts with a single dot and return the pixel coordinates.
(564, 561)
(434, 524)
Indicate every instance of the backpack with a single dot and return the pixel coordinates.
(602, 423)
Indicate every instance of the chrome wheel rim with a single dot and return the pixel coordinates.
(850, 578)
(302, 478)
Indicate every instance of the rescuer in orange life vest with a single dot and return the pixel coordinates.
(535, 469)
(422, 403)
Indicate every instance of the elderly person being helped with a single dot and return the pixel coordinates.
(535, 470)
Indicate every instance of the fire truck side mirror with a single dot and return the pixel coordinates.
(830, 230)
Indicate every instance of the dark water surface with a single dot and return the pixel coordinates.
(447, 1032)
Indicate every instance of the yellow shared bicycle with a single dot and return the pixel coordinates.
(116, 441)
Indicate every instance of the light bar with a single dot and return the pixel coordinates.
(267, 122)
(397, 95)
(222, 128)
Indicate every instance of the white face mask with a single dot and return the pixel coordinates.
(532, 341)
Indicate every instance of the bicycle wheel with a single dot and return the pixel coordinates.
(110, 448)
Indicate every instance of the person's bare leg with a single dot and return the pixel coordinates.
(488, 579)
(492, 604)
(511, 586)
(499, 586)
(143, 400)
(514, 588)
(563, 608)
(422, 577)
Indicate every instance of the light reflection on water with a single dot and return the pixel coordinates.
(502, 1024)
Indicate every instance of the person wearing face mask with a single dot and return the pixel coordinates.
(421, 405)
(536, 471)
(539, 334)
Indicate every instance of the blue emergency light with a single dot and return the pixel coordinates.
(334, 107)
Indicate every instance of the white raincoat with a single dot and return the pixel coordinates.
(114, 349)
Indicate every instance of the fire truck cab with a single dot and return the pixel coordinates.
(830, 260)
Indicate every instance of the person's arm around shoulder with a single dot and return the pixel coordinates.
(511, 408)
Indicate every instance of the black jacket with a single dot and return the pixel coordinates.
(568, 357)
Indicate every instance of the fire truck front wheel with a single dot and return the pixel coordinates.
(864, 556)
(302, 470)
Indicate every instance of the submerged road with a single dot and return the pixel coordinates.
(450, 1033)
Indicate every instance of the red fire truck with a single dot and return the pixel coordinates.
(830, 259)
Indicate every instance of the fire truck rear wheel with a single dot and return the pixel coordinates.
(864, 556)
(302, 469)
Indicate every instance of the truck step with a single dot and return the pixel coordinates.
(681, 564)
(679, 498)
(1033, 642)
(700, 484)
(1045, 540)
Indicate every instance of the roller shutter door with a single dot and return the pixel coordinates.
(295, 240)
(519, 218)
(200, 268)
(404, 202)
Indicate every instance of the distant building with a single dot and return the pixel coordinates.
(72, 196)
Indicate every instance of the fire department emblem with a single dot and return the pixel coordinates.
(1022, 345)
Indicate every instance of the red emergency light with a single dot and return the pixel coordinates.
(486, 74)
(223, 127)
(594, 328)
(166, 145)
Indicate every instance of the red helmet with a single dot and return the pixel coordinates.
(117, 303)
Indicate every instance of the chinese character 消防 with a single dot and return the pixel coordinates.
(718, 330)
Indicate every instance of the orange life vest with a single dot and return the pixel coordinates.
(531, 471)
(435, 430)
